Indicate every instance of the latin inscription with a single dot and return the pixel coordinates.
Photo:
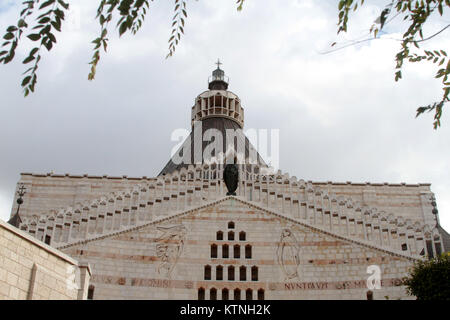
(337, 285)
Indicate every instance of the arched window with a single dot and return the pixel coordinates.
(231, 225)
(201, 294)
(237, 294)
(261, 294)
(219, 273)
(242, 273)
(207, 272)
(213, 294)
(219, 235)
(237, 251)
(225, 251)
(213, 251)
(231, 273)
(369, 295)
(254, 273)
(225, 294)
(90, 295)
(242, 236)
(248, 251)
(231, 235)
(249, 294)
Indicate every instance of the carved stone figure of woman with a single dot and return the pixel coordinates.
(288, 254)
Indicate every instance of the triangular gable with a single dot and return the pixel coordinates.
(292, 221)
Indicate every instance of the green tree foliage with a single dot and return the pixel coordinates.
(129, 16)
(430, 279)
(416, 13)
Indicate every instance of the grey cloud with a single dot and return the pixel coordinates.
(341, 116)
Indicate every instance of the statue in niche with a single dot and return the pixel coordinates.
(169, 247)
(231, 178)
(288, 254)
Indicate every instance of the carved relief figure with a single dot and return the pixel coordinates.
(169, 247)
(288, 254)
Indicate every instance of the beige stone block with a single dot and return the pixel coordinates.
(4, 288)
(54, 295)
(50, 281)
(12, 279)
(8, 235)
(23, 284)
(3, 273)
(44, 291)
(14, 257)
(26, 262)
(5, 251)
(43, 254)
(14, 293)
(23, 295)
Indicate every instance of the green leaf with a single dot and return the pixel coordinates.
(28, 59)
(9, 58)
(56, 25)
(26, 80)
(11, 28)
(8, 36)
(65, 5)
(34, 36)
(123, 28)
(22, 23)
(44, 20)
(47, 43)
(46, 4)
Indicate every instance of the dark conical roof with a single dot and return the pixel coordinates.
(220, 111)
(15, 220)
(221, 124)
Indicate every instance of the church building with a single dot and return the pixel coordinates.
(226, 227)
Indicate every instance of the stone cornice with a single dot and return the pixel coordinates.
(145, 178)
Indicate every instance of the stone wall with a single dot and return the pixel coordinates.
(166, 259)
(46, 192)
(30, 269)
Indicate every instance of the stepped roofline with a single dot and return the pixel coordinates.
(125, 177)
(177, 215)
(187, 189)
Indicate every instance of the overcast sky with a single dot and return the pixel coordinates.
(341, 116)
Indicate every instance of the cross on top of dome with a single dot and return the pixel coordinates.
(218, 63)
(218, 80)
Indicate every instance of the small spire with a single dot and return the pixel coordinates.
(15, 219)
(218, 80)
(218, 63)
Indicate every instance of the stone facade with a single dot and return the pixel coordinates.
(271, 257)
(52, 192)
(178, 236)
(197, 185)
(30, 269)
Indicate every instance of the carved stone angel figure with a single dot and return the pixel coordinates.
(169, 247)
(288, 254)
